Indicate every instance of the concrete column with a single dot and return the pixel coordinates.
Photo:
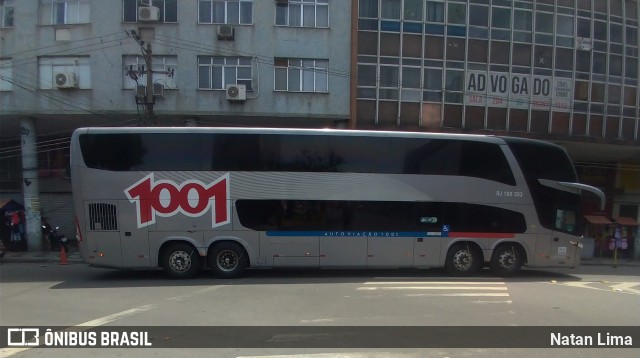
(30, 187)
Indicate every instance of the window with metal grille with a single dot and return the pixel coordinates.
(103, 217)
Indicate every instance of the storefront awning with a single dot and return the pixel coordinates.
(626, 221)
(598, 219)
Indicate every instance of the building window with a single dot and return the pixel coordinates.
(457, 13)
(615, 65)
(75, 69)
(564, 25)
(501, 18)
(410, 77)
(303, 13)
(368, 8)
(584, 28)
(216, 72)
(478, 15)
(6, 13)
(6, 75)
(600, 30)
(391, 9)
(297, 75)
(432, 85)
(231, 12)
(522, 20)
(454, 86)
(544, 22)
(522, 55)
(543, 56)
(413, 10)
(164, 71)
(599, 63)
(55, 12)
(631, 69)
(632, 36)
(168, 9)
(367, 75)
(435, 11)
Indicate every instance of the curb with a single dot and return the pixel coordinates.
(73, 258)
(38, 258)
(626, 264)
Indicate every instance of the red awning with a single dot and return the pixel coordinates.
(626, 221)
(598, 219)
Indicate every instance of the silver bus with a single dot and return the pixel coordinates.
(229, 199)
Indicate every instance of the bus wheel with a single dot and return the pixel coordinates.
(227, 259)
(506, 260)
(463, 260)
(181, 261)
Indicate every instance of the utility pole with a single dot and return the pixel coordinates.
(149, 99)
(30, 187)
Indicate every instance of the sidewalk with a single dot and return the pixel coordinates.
(608, 261)
(43, 256)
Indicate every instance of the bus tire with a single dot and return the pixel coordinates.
(463, 260)
(506, 260)
(228, 260)
(180, 260)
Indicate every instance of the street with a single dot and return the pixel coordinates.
(48, 294)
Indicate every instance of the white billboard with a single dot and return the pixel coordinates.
(499, 89)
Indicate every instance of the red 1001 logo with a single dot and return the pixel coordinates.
(192, 198)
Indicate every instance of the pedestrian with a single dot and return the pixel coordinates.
(16, 235)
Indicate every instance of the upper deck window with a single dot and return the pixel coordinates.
(295, 153)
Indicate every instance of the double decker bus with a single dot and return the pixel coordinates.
(229, 199)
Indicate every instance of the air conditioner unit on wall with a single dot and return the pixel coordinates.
(583, 44)
(66, 80)
(148, 13)
(236, 92)
(158, 90)
(226, 32)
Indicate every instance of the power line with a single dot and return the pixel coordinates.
(65, 52)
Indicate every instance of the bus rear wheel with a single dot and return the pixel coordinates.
(506, 260)
(227, 259)
(463, 260)
(181, 261)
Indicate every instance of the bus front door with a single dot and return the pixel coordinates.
(564, 250)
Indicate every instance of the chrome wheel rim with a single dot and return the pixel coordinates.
(462, 260)
(227, 260)
(507, 260)
(180, 261)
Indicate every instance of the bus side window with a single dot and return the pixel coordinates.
(565, 220)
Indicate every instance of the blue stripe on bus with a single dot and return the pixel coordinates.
(381, 234)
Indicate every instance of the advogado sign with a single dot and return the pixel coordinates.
(499, 89)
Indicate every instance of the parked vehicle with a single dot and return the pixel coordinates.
(56, 238)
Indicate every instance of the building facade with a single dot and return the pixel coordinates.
(71, 63)
(558, 70)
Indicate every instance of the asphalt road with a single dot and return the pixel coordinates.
(51, 295)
